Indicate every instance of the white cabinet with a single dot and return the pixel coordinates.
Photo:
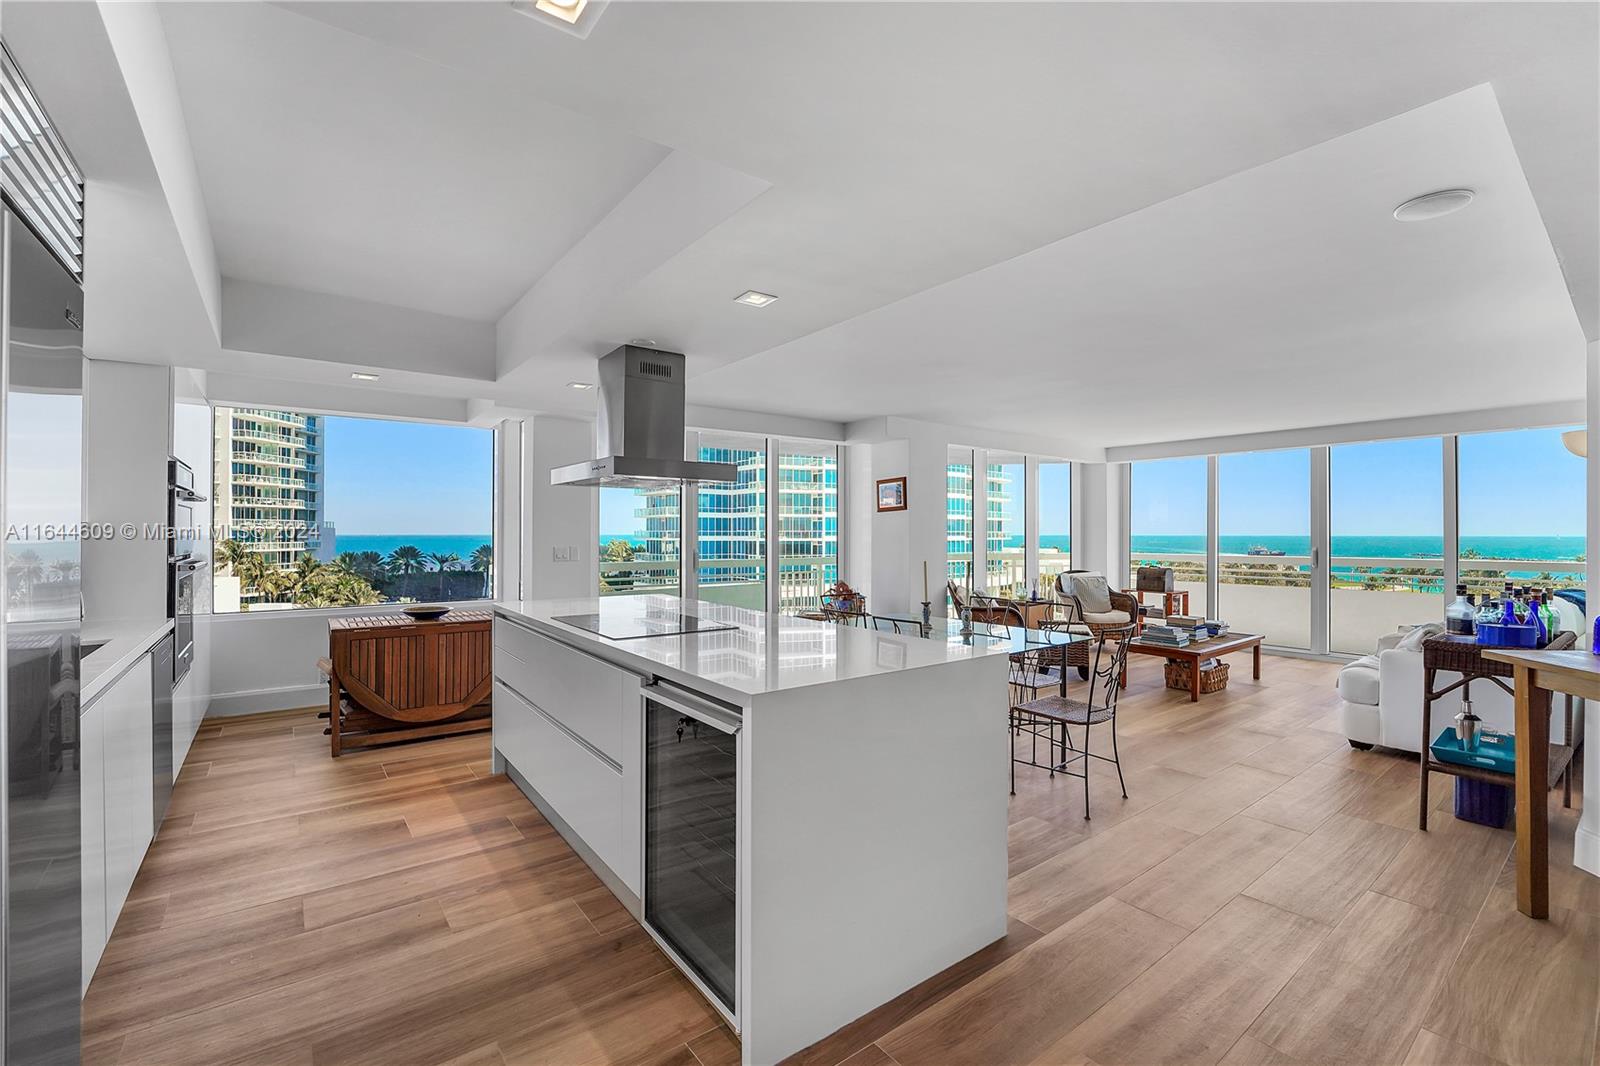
(92, 768)
(570, 725)
(125, 711)
(585, 790)
(577, 690)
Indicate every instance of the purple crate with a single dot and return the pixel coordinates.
(1482, 802)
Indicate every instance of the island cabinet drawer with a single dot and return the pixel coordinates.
(580, 691)
(584, 789)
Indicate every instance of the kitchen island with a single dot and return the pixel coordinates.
(809, 818)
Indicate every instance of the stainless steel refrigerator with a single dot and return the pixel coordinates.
(42, 361)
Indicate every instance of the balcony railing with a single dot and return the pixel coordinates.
(283, 418)
(801, 580)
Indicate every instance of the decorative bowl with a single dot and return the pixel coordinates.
(426, 612)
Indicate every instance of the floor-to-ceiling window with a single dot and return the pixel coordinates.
(808, 523)
(328, 511)
(958, 515)
(1005, 508)
(1521, 511)
(639, 536)
(1055, 520)
(1386, 532)
(1264, 544)
(1167, 522)
(732, 523)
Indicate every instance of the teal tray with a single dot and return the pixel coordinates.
(1496, 751)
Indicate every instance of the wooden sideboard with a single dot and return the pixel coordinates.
(393, 678)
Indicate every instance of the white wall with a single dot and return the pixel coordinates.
(127, 436)
(267, 660)
(559, 518)
(1586, 849)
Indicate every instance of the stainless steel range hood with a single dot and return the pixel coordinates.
(640, 426)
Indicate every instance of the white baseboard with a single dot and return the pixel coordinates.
(255, 701)
(1586, 850)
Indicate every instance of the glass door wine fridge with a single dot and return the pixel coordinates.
(691, 767)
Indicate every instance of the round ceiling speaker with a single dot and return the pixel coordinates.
(1433, 205)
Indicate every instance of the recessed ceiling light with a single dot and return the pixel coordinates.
(576, 17)
(580, 385)
(1433, 205)
(359, 376)
(754, 298)
(565, 10)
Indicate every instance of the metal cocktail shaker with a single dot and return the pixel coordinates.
(1468, 727)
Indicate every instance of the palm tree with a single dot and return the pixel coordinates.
(26, 567)
(444, 561)
(483, 561)
(407, 559)
(252, 571)
(230, 553)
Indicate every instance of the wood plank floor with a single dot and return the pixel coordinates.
(1262, 896)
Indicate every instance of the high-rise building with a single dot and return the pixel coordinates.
(731, 530)
(269, 482)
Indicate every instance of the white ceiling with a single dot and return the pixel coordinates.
(1286, 296)
(335, 164)
(1076, 205)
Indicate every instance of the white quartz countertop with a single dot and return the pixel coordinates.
(124, 641)
(762, 653)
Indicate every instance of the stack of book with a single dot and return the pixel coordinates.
(1198, 628)
(1169, 636)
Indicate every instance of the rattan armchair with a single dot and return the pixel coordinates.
(1096, 625)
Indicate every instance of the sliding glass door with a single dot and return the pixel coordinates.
(1167, 512)
(1386, 524)
(1005, 504)
(1055, 521)
(731, 523)
(1264, 550)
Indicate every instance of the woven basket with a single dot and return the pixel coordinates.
(1213, 676)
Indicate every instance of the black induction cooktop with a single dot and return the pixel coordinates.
(634, 627)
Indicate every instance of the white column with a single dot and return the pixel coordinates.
(980, 519)
(1030, 519)
(1213, 536)
(774, 460)
(1586, 846)
(1452, 525)
(509, 495)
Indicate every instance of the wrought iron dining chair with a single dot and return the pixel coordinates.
(1042, 717)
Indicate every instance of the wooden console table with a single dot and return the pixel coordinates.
(393, 678)
(1537, 675)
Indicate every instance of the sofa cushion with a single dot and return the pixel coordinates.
(1358, 681)
(1092, 593)
(1107, 618)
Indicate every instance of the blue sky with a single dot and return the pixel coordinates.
(616, 513)
(1521, 483)
(408, 477)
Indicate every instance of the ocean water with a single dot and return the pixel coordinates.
(431, 543)
(1398, 547)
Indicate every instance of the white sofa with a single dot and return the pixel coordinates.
(1381, 696)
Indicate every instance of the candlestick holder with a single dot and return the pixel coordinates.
(927, 617)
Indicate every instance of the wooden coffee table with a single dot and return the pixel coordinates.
(1194, 654)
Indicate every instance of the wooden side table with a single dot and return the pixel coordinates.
(1476, 662)
(1537, 675)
